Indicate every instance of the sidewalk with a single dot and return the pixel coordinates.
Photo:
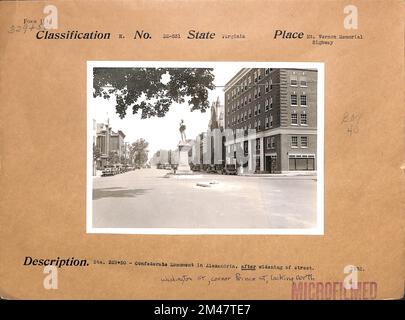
(286, 174)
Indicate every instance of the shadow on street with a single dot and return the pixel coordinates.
(117, 193)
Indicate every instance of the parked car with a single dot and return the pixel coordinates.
(211, 169)
(108, 171)
(230, 169)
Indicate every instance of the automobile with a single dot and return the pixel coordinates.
(230, 169)
(108, 171)
(211, 169)
(195, 167)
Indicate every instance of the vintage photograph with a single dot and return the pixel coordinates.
(205, 148)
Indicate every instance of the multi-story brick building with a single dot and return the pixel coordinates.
(280, 107)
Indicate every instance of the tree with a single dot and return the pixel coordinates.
(138, 152)
(142, 89)
(113, 157)
(96, 152)
(96, 157)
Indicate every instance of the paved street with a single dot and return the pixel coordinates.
(146, 198)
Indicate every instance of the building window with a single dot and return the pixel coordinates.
(250, 97)
(266, 105)
(301, 163)
(250, 113)
(256, 125)
(304, 142)
(267, 123)
(294, 100)
(267, 71)
(259, 125)
(303, 81)
(255, 76)
(271, 84)
(267, 87)
(271, 142)
(259, 73)
(246, 101)
(259, 109)
(245, 117)
(294, 142)
(293, 81)
(294, 119)
(260, 92)
(304, 119)
(271, 121)
(255, 93)
(303, 100)
(258, 144)
(255, 110)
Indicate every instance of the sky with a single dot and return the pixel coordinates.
(163, 133)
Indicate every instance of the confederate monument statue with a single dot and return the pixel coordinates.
(182, 130)
(183, 149)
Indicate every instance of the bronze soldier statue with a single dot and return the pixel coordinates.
(182, 131)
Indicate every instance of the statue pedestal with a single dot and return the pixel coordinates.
(183, 164)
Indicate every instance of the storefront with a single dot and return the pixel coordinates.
(301, 162)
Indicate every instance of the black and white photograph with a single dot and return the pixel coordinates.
(205, 147)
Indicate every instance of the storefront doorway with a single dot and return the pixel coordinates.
(271, 164)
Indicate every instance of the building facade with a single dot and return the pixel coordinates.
(217, 119)
(278, 109)
(110, 145)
